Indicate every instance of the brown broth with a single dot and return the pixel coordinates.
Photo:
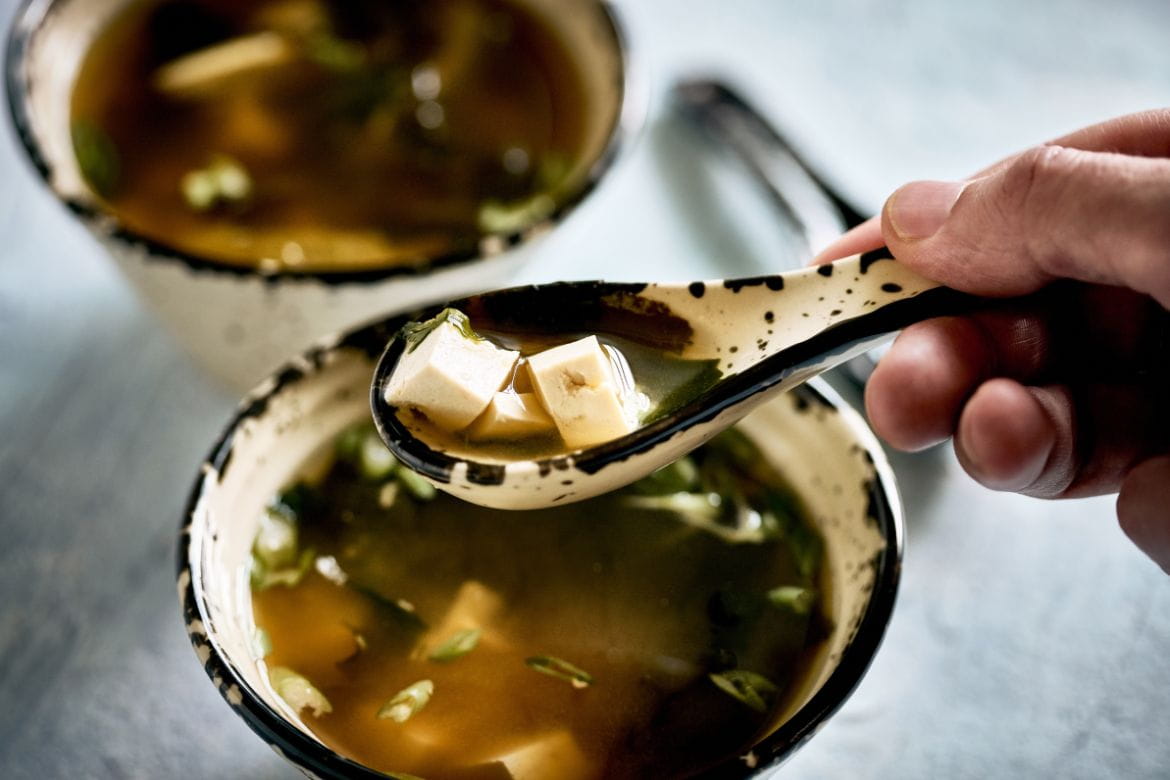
(647, 605)
(346, 171)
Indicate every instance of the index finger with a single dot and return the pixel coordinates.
(1144, 134)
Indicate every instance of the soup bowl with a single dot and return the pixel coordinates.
(822, 447)
(240, 321)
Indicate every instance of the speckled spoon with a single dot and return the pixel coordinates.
(769, 333)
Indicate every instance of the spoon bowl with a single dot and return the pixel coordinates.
(768, 334)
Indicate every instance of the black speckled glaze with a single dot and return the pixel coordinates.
(773, 283)
(872, 256)
(315, 758)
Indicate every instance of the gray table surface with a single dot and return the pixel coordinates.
(1029, 639)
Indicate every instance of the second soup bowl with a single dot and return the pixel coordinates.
(240, 320)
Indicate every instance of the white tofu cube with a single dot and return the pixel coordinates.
(511, 416)
(575, 382)
(555, 753)
(449, 377)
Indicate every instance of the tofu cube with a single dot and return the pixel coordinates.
(449, 377)
(556, 753)
(575, 382)
(475, 606)
(512, 416)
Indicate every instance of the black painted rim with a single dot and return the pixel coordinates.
(316, 757)
(31, 15)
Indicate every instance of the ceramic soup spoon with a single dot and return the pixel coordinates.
(767, 334)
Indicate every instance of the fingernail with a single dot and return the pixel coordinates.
(919, 209)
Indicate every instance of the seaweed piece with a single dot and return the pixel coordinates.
(754, 690)
(400, 610)
(97, 157)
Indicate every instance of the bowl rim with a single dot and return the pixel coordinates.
(628, 122)
(885, 510)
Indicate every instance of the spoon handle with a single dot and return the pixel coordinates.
(892, 296)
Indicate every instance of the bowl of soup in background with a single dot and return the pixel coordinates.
(302, 171)
(824, 451)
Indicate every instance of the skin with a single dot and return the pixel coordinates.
(1062, 388)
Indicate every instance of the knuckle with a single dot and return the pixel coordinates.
(1037, 174)
(1038, 184)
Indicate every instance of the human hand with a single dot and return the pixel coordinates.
(1064, 392)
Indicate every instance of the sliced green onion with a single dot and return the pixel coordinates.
(407, 702)
(348, 443)
(703, 511)
(504, 218)
(416, 485)
(553, 169)
(224, 180)
(263, 577)
(460, 644)
(678, 477)
(561, 669)
(375, 462)
(276, 540)
(799, 600)
(297, 691)
(261, 642)
(199, 189)
(388, 494)
(754, 690)
(335, 54)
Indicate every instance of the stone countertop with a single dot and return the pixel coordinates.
(1030, 639)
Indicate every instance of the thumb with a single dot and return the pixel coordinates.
(1051, 212)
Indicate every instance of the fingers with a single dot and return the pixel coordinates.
(1052, 212)
(915, 394)
(1143, 509)
(1079, 354)
(863, 238)
(1057, 441)
(1017, 438)
(1144, 134)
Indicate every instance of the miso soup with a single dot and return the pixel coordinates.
(651, 632)
(329, 134)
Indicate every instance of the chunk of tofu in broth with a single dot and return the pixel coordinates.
(475, 606)
(553, 754)
(512, 416)
(448, 373)
(578, 386)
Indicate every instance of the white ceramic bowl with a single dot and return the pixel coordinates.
(822, 446)
(241, 323)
